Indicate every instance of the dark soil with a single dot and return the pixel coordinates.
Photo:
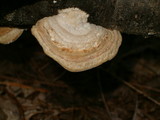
(35, 87)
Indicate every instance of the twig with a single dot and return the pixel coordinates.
(23, 86)
(135, 111)
(147, 87)
(141, 92)
(103, 98)
(138, 91)
(35, 81)
(149, 68)
(134, 88)
(69, 109)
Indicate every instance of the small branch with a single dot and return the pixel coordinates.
(23, 86)
(134, 88)
(109, 117)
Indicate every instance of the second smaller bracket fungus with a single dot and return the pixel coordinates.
(73, 42)
(9, 35)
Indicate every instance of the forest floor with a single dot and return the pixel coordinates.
(34, 87)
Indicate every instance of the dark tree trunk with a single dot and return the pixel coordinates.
(128, 16)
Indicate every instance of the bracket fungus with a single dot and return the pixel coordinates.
(8, 35)
(73, 42)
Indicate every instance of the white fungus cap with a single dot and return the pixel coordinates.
(73, 42)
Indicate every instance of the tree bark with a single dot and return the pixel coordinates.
(128, 16)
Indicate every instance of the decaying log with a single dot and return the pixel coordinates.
(128, 16)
